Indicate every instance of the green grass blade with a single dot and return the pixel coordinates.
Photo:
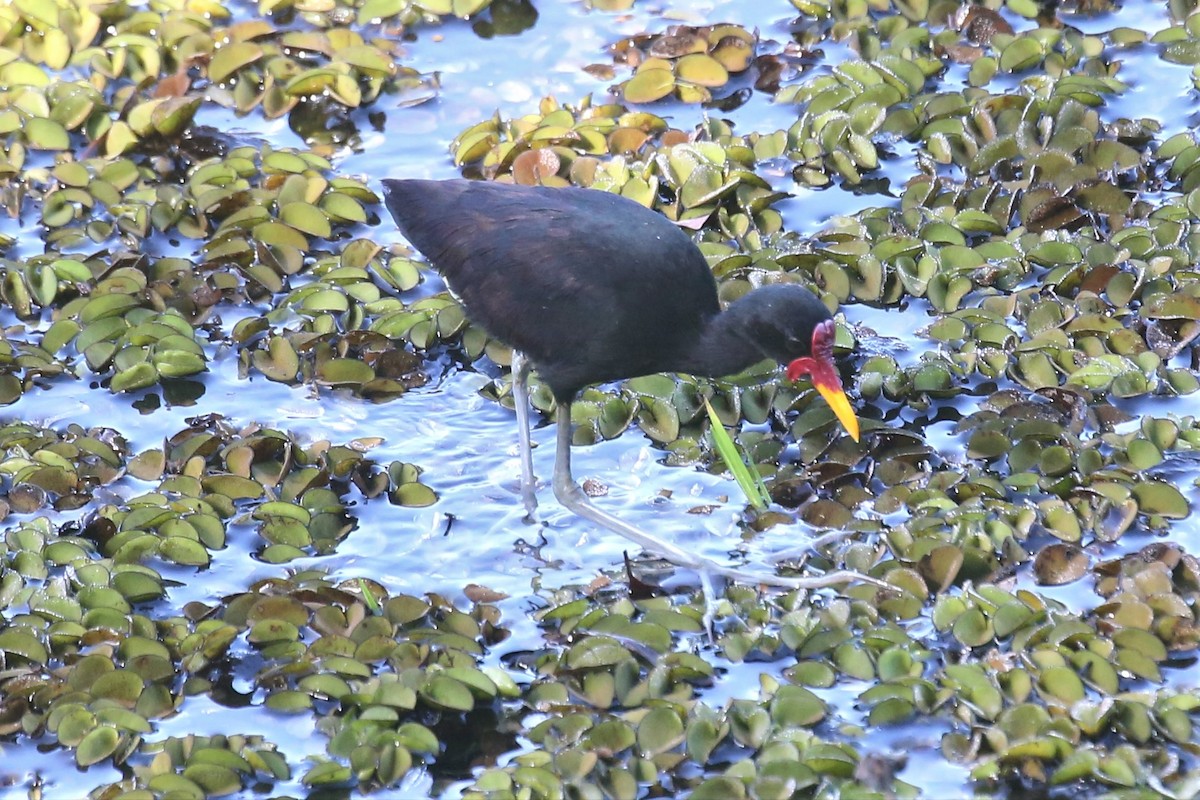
(749, 480)
(369, 597)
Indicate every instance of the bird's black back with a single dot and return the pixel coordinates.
(591, 286)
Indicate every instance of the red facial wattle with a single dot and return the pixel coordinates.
(820, 367)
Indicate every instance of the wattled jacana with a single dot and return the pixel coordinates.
(591, 287)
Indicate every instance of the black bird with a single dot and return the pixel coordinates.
(591, 287)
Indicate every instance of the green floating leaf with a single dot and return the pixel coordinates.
(19, 643)
(231, 58)
(649, 85)
(660, 730)
(1161, 499)
(98, 745)
(445, 692)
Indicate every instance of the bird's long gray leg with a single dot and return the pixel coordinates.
(520, 383)
(571, 495)
(573, 498)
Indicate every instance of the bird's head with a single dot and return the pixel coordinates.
(791, 325)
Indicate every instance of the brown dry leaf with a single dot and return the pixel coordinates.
(1056, 214)
(679, 42)
(1058, 564)
(980, 24)
(533, 167)
(770, 73)
(963, 53)
(1096, 280)
(672, 137)
(482, 594)
(598, 583)
(601, 72)
(176, 85)
(594, 488)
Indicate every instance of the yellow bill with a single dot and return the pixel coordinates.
(837, 400)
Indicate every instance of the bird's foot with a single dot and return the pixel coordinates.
(529, 500)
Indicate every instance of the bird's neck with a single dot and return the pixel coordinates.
(726, 345)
